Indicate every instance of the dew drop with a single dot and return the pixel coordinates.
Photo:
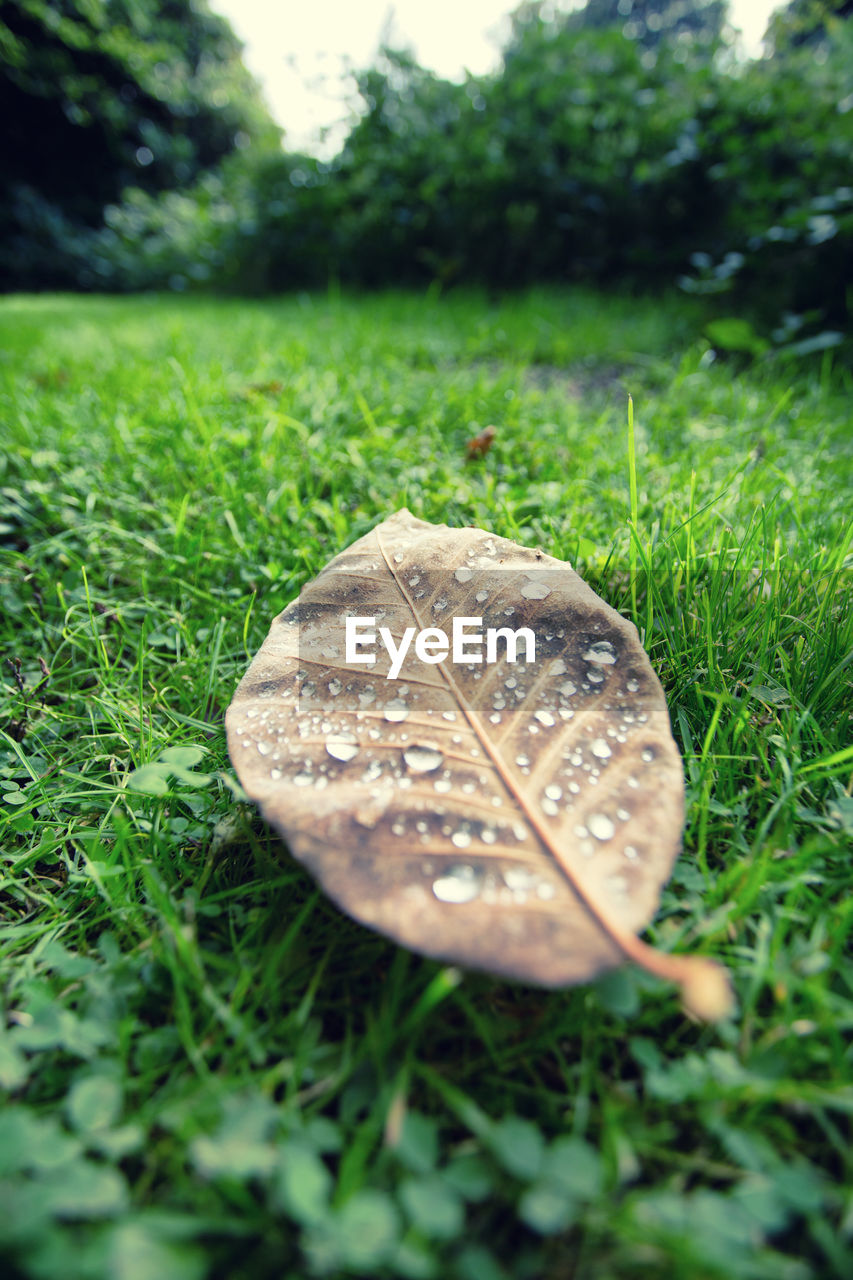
(343, 747)
(648, 755)
(510, 683)
(275, 774)
(413, 581)
(461, 839)
(544, 890)
(422, 759)
(461, 884)
(600, 826)
(519, 878)
(623, 815)
(600, 749)
(602, 652)
(557, 668)
(443, 785)
(523, 762)
(448, 715)
(463, 575)
(595, 677)
(535, 591)
(544, 717)
(481, 597)
(632, 685)
(550, 809)
(567, 688)
(488, 836)
(334, 687)
(303, 780)
(630, 852)
(398, 828)
(396, 711)
(439, 605)
(264, 748)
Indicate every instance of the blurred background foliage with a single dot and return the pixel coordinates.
(101, 99)
(621, 144)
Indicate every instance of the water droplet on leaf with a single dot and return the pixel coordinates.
(602, 652)
(421, 759)
(460, 884)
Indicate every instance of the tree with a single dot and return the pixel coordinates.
(101, 95)
(806, 22)
(652, 21)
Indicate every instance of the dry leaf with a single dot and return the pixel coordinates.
(478, 446)
(518, 817)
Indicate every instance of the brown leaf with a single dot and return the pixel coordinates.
(273, 387)
(479, 445)
(518, 817)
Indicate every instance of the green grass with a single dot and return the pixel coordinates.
(210, 1072)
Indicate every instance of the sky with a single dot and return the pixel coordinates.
(299, 50)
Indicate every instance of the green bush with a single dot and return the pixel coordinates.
(776, 145)
(595, 153)
(98, 96)
(588, 156)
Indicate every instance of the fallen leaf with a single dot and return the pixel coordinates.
(480, 445)
(518, 817)
(272, 388)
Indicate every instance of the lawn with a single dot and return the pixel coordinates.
(208, 1071)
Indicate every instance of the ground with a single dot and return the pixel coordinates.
(208, 1070)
